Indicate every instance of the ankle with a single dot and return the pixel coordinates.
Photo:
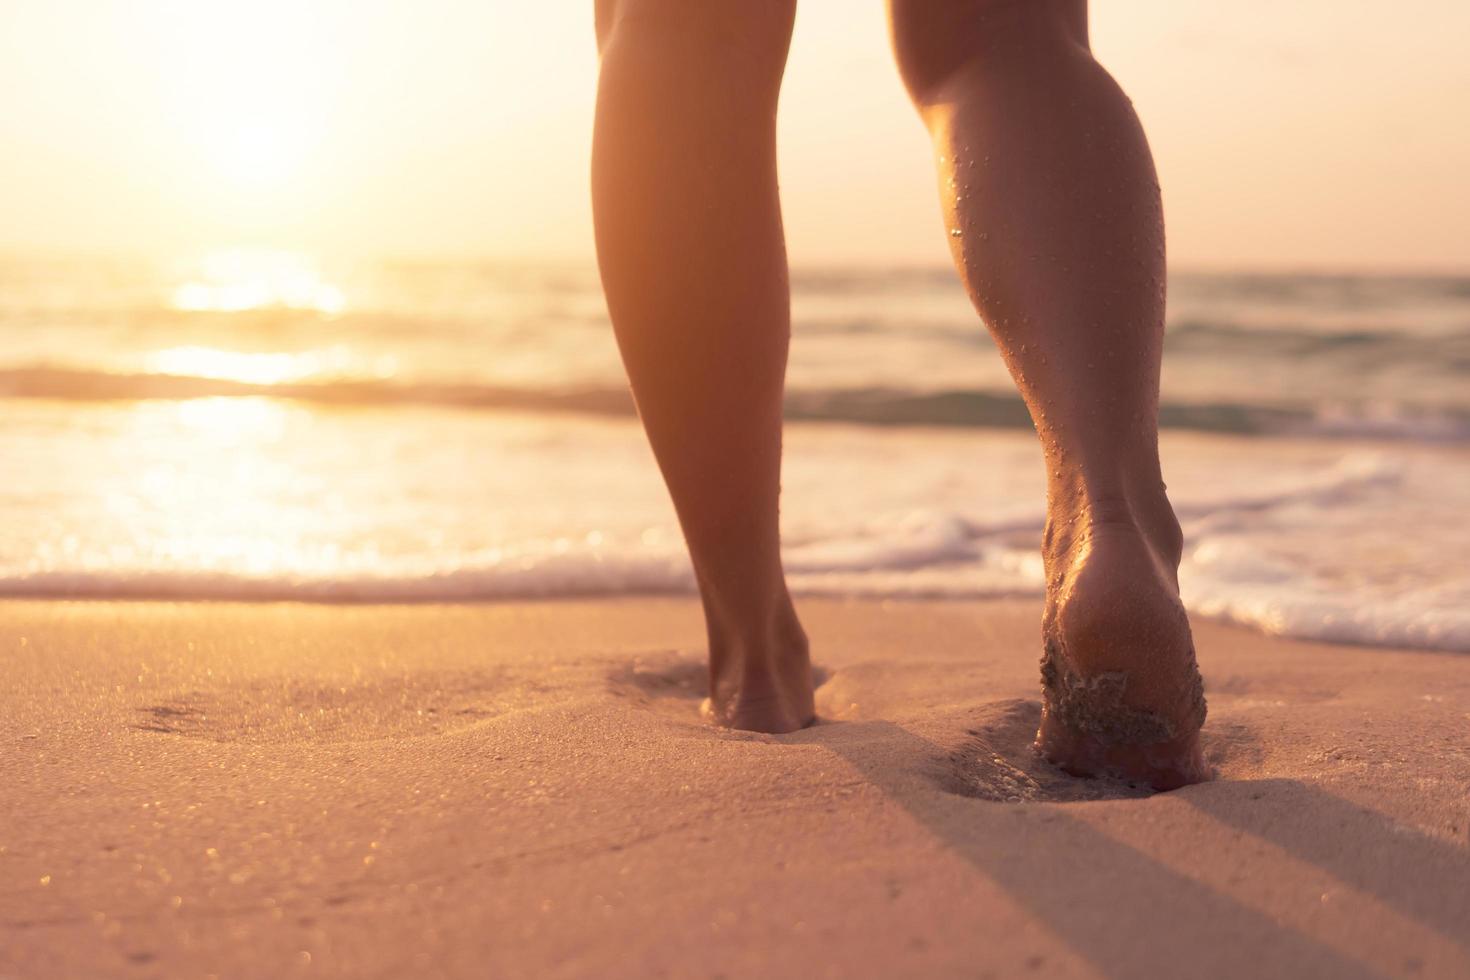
(760, 672)
(755, 639)
(1150, 515)
(1078, 514)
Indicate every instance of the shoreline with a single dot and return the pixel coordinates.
(1222, 614)
(1299, 537)
(525, 788)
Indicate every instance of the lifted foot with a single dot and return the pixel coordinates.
(1162, 765)
(1122, 694)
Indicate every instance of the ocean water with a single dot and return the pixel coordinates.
(252, 425)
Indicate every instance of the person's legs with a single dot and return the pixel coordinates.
(693, 264)
(1053, 213)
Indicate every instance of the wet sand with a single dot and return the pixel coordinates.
(526, 790)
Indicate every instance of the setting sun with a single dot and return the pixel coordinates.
(254, 155)
(250, 91)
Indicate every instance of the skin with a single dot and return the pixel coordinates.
(1053, 215)
(693, 262)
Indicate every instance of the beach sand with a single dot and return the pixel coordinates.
(525, 789)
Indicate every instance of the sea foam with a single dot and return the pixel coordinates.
(1307, 539)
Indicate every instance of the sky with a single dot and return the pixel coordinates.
(1314, 134)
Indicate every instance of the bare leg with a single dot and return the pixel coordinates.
(1053, 213)
(693, 263)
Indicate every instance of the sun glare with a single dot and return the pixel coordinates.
(266, 367)
(236, 280)
(254, 154)
(252, 87)
(227, 365)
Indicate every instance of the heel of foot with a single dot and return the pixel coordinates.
(1162, 765)
(1088, 728)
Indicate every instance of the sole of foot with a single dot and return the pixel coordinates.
(1122, 694)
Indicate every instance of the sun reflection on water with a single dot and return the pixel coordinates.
(232, 420)
(321, 365)
(232, 501)
(236, 280)
(251, 368)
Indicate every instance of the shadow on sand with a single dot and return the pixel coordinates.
(1127, 913)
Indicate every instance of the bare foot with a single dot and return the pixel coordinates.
(1122, 694)
(764, 689)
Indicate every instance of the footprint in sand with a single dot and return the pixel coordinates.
(996, 762)
(1230, 746)
(673, 684)
(656, 678)
(288, 710)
